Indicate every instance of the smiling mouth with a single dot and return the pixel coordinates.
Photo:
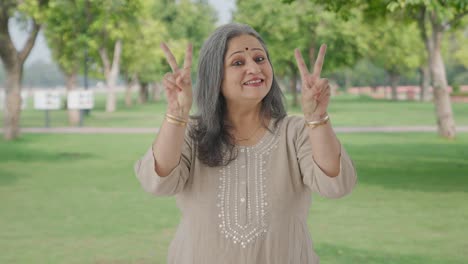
(254, 82)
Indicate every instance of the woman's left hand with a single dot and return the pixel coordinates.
(315, 90)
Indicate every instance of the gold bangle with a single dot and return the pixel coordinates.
(314, 124)
(180, 119)
(175, 122)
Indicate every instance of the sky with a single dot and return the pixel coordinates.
(42, 52)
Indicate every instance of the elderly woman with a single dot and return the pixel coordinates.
(242, 171)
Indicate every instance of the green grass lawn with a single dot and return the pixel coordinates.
(345, 110)
(74, 199)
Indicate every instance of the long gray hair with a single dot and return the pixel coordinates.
(214, 143)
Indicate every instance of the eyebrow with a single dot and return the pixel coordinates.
(235, 52)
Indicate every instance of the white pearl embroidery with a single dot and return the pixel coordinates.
(242, 197)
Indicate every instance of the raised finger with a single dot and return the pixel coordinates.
(188, 57)
(319, 62)
(301, 65)
(170, 57)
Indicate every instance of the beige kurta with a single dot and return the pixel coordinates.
(253, 210)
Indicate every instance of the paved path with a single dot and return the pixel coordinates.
(148, 130)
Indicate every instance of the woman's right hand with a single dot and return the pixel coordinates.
(178, 84)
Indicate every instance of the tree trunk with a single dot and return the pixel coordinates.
(388, 92)
(432, 39)
(129, 91)
(156, 92)
(12, 113)
(111, 99)
(424, 82)
(13, 61)
(348, 79)
(394, 80)
(443, 105)
(426, 69)
(144, 93)
(128, 95)
(111, 72)
(73, 114)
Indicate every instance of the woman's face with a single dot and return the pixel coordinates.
(247, 72)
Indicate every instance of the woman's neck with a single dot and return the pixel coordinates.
(247, 124)
(243, 116)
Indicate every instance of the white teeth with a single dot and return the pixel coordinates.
(252, 82)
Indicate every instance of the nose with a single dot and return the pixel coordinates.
(252, 66)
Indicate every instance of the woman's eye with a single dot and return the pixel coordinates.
(237, 63)
(259, 59)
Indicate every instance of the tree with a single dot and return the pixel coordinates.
(30, 11)
(435, 17)
(109, 24)
(396, 48)
(65, 32)
(142, 59)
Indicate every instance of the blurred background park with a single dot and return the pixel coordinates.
(68, 193)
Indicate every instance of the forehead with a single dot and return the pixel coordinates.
(243, 42)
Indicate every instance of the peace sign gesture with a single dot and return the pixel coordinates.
(315, 91)
(178, 84)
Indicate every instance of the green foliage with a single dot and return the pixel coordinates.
(176, 23)
(110, 22)
(190, 20)
(141, 54)
(458, 45)
(35, 9)
(444, 11)
(365, 73)
(79, 25)
(65, 32)
(396, 46)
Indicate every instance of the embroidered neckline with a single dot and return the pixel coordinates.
(242, 196)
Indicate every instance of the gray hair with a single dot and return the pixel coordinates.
(214, 143)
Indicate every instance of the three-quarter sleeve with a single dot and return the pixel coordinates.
(167, 185)
(315, 178)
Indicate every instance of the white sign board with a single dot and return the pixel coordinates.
(47, 100)
(83, 99)
(24, 100)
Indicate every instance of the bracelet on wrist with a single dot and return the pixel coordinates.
(179, 121)
(314, 124)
